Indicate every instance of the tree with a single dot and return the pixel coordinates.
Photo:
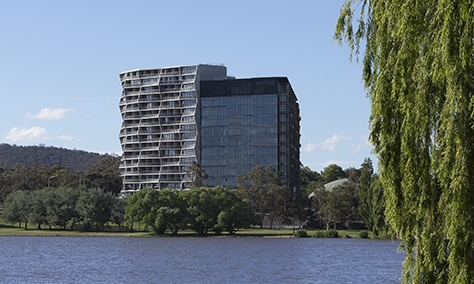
(371, 199)
(236, 213)
(378, 207)
(418, 68)
(13, 209)
(38, 213)
(334, 206)
(365, 194)
(266, 193)
(140, 207)
(105, 175)
(18, 207)
(321, 208)
(299, 209)
(94, 207)
(332, 172)
(203, 208)
(134, 212)
(309, 179)
(197, 175)
(61, 204)
(170, 211)
(118, 212)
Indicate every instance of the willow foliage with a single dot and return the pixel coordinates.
(418, 70)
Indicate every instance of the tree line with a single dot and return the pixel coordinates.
(201, 209)
(260, 199)
(64, 207)
(104, 174)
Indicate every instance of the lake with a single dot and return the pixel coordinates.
(197, 260)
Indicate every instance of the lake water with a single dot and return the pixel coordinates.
(197, 260)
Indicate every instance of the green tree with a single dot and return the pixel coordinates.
(141, 207)
(266, 194)
(118, 212)
(298, 210)
(309, 179)
(38, 212)
(196, 175)
(105, 175)
(13, 209)
(18, 207)
(236, 213)
(418, 70)
(334, 206)
(61, 204)
(378, 207)
(321, 208)
(239, 216)
(364, 190)
(170, 211)
(203, 208)
(135, 211)
(94, 207)
(332, 172)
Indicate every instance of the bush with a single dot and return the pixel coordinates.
(364, 234)
(327, 234)
(301, 234)
(332, 234)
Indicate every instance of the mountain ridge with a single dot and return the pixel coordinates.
(77, 160)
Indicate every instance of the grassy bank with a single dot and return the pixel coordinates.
(14, 230)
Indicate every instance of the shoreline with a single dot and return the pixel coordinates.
(247, 233)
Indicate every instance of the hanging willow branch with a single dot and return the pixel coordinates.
(418, 69)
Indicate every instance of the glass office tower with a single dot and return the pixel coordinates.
(174, 116)
(248, 122)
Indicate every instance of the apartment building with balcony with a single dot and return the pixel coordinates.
(176, 115)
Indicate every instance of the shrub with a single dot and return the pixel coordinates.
(332, 234)
(301, 234)
(327, 234)
(364, 234)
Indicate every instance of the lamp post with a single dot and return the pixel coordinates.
(50, 178)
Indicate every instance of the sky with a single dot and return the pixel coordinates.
(60, 63)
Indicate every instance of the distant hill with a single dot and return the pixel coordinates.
(49, 156)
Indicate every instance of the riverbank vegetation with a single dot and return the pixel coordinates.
(114, 231)
(59, 199)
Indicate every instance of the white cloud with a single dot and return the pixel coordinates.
(51, 114)
(355, 148)
(308, 148)
(26, 134)
(331, 143)
(66, 137)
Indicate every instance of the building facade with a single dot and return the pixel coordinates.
(248, 122)
(174, 116)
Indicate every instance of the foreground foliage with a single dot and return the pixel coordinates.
(418, 70)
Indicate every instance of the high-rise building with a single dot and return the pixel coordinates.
(174, 116)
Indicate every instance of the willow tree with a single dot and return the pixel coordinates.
(418, 70)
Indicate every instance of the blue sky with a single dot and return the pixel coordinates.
(60, 60)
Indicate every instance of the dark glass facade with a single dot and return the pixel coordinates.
(248, 122)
